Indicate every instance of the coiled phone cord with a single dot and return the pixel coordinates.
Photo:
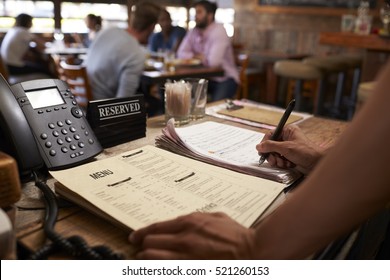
(74, 245)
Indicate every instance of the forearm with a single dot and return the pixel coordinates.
(348, 186)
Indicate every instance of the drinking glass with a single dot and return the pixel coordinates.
(385, 17)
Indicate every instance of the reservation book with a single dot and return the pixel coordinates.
(223, 145)
(147, 185)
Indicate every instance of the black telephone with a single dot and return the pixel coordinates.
(41, 123)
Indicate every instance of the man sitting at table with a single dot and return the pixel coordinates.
(18, 56)
(170, 36)
(209, 42)
(116, 59)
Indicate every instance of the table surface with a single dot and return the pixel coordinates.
(74, 220)
(183, 72)
(348, 39)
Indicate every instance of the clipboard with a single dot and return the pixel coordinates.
(259, 115)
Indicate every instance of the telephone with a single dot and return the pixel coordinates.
(41, 124)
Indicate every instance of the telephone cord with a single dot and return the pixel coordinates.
(74, 245)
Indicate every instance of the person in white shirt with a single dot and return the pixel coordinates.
(116, 59)
(17, 54)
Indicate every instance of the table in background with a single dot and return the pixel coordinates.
(158, 77)
(97, 231)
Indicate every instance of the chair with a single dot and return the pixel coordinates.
(301, 73)
(14, 79)
(242, 62)
(77, 79)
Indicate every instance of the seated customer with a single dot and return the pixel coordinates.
(16, 52)
(116, 59)
(209, 42)
(169, 38)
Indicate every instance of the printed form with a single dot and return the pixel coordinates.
(223, 145)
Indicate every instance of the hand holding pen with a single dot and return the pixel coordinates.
(277, 133)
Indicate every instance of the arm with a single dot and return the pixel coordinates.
(348, 186)
(342, 192)
(220, 42)
(185, 49)
(295, 150)
(130, 75)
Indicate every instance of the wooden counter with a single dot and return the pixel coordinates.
(76, 221)
(376, 49)
(351, 40)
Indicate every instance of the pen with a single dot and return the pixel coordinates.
(279, 128)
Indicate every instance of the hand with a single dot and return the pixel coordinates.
(195, 236)
(294, 150)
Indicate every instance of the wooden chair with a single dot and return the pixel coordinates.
(242, 62)
(77, 79)
(3, 69)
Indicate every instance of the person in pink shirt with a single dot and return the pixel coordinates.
(209, 42)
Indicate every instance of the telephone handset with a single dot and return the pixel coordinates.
(41, 123)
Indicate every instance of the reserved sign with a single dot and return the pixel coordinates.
(116, 110)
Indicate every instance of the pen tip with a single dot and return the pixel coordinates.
(261, 160)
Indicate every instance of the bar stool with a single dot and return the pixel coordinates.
(300, 72)
(364, 91)
(330, 66)
(354, 63)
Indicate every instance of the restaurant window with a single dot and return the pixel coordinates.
(73, 15)
(41, 11)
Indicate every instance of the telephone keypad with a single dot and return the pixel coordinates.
(67, 128)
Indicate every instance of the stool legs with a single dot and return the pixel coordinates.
(320, 98)
(298, 94)
(339, 94)
(353, 97)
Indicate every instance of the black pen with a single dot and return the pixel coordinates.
(279, 128)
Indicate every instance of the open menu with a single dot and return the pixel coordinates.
(223, 145)
(148, 185)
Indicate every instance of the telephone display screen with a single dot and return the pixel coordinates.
(44, 98)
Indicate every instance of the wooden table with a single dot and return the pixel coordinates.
(74, 220)
(158, 77)
(376, 49)
(66, 51)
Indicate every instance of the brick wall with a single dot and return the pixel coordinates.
(295, 33)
